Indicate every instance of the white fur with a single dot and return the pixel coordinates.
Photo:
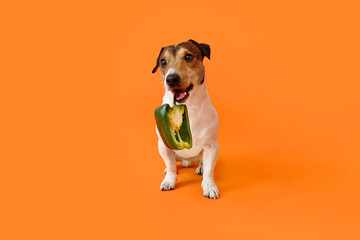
(170, 71)
(204, 124)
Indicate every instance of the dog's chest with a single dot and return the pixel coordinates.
(203, 121)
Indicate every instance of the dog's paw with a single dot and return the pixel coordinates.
(210, 189)
(186, 163)
(168, 183)
(199, 170)
(165, 171)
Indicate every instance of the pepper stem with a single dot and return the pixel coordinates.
(174, 102)
(177, 132)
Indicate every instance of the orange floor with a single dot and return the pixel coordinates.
(79, 150)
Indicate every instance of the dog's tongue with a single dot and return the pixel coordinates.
(180, 95)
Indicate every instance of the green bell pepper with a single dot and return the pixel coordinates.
(173, 126)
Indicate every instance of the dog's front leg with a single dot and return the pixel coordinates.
(211, 154)
(171, 175)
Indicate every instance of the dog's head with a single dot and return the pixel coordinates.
(181, 67)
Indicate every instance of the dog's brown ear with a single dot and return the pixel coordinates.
(204, 48)
(157, 61)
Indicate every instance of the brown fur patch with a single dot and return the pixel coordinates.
(189, 72)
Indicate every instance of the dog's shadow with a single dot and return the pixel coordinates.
(233, 173)
(187, 175)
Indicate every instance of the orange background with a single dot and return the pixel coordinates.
(79, 155)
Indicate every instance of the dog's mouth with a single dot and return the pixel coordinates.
(181, 94)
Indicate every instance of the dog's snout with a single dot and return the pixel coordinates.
(173, 80)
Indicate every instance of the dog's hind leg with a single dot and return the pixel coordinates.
(200, 169)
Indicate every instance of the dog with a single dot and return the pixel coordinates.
(183, 73)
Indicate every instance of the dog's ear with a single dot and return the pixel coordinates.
(204, 48)
(157, 61)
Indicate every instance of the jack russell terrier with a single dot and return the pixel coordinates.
(183, 73)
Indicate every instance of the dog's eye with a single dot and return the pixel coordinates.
(163, 63)
(189, 57)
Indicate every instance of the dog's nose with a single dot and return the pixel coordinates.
(173, 80)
